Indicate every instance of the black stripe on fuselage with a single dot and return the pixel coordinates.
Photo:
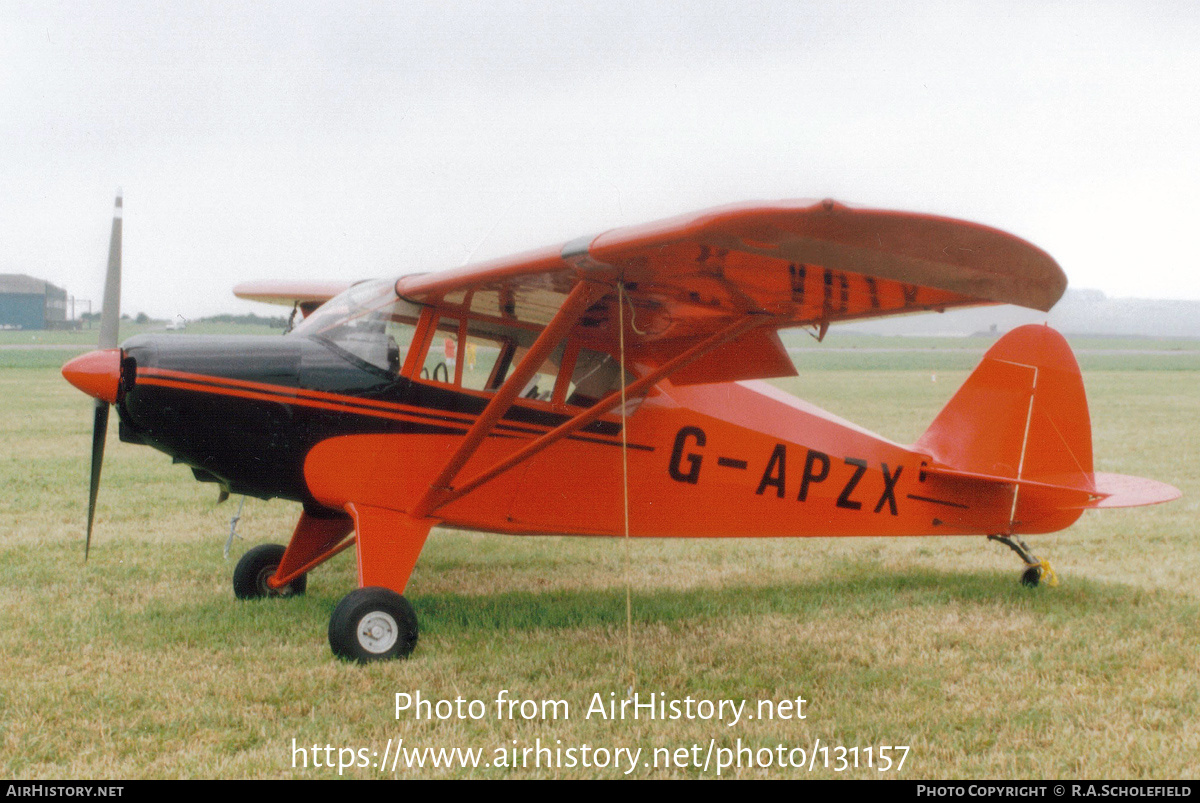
(391, 410)
(938, 501)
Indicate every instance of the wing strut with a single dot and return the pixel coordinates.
(580, 298)
(731, 332)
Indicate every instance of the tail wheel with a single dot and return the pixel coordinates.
(256, 566)
(1037, 571)
(373, 624)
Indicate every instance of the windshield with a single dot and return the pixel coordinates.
(368, 321)
(370, 325)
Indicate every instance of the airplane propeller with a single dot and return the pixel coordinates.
(98, 373)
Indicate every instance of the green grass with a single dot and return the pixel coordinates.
(140, 663)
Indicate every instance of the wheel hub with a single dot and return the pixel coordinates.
(378, 632)
(265, 574)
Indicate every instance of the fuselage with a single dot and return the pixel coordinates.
(296, 418)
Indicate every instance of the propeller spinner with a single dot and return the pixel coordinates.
(98, 373)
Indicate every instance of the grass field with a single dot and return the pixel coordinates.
(140, 663)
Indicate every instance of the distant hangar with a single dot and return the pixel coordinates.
(29, 303)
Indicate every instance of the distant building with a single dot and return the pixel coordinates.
(29, 303)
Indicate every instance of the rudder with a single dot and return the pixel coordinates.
(1021, 421)
(1022, 414)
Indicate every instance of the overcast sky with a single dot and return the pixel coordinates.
(303, 140)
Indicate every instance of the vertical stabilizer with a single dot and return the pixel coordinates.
(1022, 414)
(1021, 420)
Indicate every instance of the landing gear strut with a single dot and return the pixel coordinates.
(1036, 569)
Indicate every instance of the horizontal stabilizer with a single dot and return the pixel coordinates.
(1093, 490)
(1122, 490)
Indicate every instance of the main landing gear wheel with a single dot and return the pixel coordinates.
(251, 573)
(372, 624)
(1031, 576)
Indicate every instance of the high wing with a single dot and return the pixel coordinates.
(305, 295)
(792, 263)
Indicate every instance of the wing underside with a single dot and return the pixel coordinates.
(305, 295)
(790, 264)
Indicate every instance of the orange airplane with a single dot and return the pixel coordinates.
(611, 386)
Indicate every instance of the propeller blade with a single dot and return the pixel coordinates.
(99, 433)
(110, 315)
(110, 319)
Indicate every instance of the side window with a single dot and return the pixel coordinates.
(466, 359)
(541, 385)
(440, 360)
(595, 376)
(482, 354)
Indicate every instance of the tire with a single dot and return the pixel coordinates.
(372, 624)
(251, 573)
(1031, 576)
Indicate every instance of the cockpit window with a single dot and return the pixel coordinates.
(595, 376)
(470, 359)
(368, 322)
